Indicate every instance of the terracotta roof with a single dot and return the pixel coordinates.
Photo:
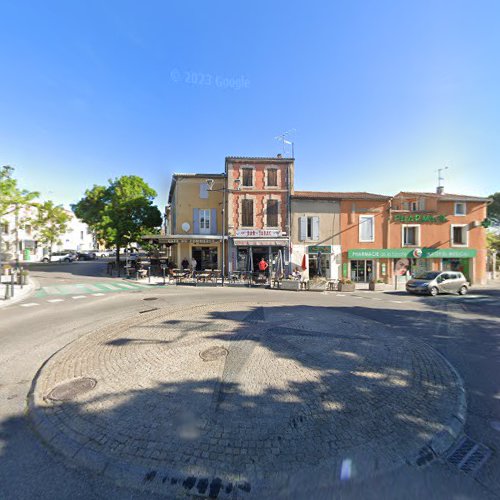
(444, 196)
(258, 158)
(329, 195)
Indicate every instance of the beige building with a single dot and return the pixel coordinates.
(315, 232)
(194, 220)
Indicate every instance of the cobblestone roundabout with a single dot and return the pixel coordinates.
(247, 400)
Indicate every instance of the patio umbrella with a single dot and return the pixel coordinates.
(250, 264)
(319, 264)
(279, 265)
(304, 263)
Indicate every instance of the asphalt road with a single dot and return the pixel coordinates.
(466, 330)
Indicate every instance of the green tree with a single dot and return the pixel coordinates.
(13, 198)
(52, 221)
(121, 212)
(494, 209)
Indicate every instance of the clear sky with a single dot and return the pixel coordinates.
(380, 93)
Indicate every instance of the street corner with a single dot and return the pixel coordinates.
(250, 398)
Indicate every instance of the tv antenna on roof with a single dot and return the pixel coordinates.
(440, 187)
(286, 141)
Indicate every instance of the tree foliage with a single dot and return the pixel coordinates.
(51, 222)
(11, 196)
(494, 209)
(121, 212)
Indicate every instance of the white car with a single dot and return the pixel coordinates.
(60, 257)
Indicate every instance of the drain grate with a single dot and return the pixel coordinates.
(213, 353)
(469, 456)
(72, 389)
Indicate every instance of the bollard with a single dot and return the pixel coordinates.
(12, 278)
(7, 291)
(163, 272)
(149, 274)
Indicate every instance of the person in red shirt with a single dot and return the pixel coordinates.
(263, 265)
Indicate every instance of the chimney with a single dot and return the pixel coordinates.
(440, 190)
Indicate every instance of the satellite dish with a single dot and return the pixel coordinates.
(185, 227)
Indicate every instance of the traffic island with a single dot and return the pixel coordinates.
(246, 400)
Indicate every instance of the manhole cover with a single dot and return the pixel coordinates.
(213, 353)
(70, 390)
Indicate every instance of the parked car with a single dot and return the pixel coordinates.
(89, 255)
(435, 282)
(60, 257)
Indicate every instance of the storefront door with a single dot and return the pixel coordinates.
(361, 271)
(206, 257)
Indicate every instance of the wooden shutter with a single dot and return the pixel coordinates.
(302, 228)
(315, 228)
(196, 221)
(213, 221)
(247, 213)
(272, 213)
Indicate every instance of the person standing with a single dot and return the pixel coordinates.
(194, 263)
(263, 266)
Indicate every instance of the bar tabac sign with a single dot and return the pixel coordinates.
(433, 219)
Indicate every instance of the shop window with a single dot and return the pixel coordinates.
(204, 215)
(309, 228)
(203, 190)
(411, 235)
(459, 235)
(460, 208)
(272, 177)
(247, 177)
(247, 213)
(272, 213)
(366, 228)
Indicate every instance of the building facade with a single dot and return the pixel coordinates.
(391, 239)
(315, 234)
(195, 225)
(258, 211)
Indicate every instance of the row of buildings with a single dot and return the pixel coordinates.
(20, 241)
(252, 211)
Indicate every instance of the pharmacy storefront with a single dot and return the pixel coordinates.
(389, 264)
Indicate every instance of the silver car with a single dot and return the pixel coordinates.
(434, 282)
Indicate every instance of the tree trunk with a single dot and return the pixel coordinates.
(118, 258)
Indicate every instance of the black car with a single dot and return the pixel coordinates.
(86, 256)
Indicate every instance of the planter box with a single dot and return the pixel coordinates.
(347, 287)
(290, 285)
(374, 287)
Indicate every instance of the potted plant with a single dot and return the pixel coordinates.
(375, 285)
(346, 285)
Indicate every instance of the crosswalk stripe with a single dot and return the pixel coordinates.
(110, 287)
(55, 300)
(88, 286)
(126, 285)
(30, 304)
(79, 297)
(97, 294)
(397, 301)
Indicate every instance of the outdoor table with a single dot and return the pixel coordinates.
(202, 276)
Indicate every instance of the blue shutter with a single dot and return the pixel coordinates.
(315, 228)
(213, 221)
(302, 228)
(196, 221)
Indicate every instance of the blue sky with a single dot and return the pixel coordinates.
(380, 94)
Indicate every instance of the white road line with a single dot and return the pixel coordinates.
(111, 287)
(398, 301)
(375, 298)
(340, 295)
(29, 304)
(126, 285)
(55, 300)
(97, 294)
(79, 297)
(90, 287)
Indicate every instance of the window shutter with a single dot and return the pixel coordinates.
(302, 228)
(421, 204)
(213, 221)
(315, 228)
(196, 221)
(203, 190)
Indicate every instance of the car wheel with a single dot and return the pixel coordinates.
(45, 260)
(463, 290)
(433, 291)
(67, 259)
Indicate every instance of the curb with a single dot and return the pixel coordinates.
(32, 286)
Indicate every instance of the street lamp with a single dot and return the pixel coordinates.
(210, 184)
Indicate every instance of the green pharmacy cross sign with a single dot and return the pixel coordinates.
(439, 219)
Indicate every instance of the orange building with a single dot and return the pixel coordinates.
(413, 232)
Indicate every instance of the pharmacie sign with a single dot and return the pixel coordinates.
(409, 253)
(436, 219)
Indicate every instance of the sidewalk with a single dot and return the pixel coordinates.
(19, 293)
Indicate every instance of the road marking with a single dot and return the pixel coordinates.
(55, 300)
(126, 285)
(30, 304)
(79, 297)
(97, 294)
(398, 301)
(340, 295)
(375, 298)
(88, 286)
(111, 287)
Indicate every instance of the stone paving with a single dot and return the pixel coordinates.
(246, 400)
